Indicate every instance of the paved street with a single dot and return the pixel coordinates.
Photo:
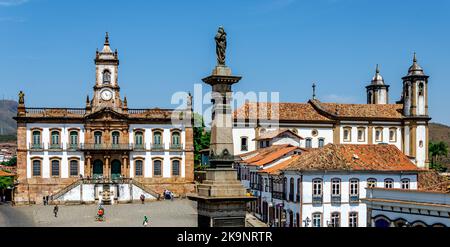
(177, 213)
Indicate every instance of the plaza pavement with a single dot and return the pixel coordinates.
(177, 213)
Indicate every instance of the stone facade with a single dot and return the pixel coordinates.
(105, 141)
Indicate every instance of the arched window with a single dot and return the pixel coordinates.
(317, 219)
(405, 184)
(98, 137)
(55, 139)
(106, 77)
(36, 168)
(74, 168)
(371, 183)
(308, 143)
(37, 139)
(353, 219)
(379, 134)
(388, 183)
(354, 190)
(139, 168)
(335, 188)
(347, 134)
(139, 139)
(157, 140)
(55, 168)
(115, 138)
(176, 140)
(175, 168)
(335, 219)
(321, 142)
(393, 134)
(157, 168)
(361, 134)
(244, 144)
(73, 139)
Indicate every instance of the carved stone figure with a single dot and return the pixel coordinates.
(21, 98)
(221, 46)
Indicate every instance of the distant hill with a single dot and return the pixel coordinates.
(438, 133)
(8, 109)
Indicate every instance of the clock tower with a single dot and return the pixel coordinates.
(106, 89)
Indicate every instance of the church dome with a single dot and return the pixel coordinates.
(377, 79)
(415, 69)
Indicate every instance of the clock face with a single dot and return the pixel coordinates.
(106, 95)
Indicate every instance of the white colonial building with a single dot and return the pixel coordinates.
(403, 124)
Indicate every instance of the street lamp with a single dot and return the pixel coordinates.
(307, 221)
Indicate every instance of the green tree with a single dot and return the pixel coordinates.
(6, 182)
(437, 151)
(202, 138)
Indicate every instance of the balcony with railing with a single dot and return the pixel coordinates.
(354, 199)
(157, 147)
(335, 199)
(139, 147)
(317, 199)
(36, 146)
(244, 148)
(73, 147)
(176, 146)
(55, 147)
(105, 146)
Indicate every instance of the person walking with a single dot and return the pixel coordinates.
(142, 198)
(55, 211)
(43, 200)
(145, 223)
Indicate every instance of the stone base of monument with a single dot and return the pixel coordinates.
(221, 199)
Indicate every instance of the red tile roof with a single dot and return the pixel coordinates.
(432, 181)
(386, 111)
(354, 157)
(276, 169)
(268, 155)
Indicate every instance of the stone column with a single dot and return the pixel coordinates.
(87, 167)
(125, 166)
(107, 171)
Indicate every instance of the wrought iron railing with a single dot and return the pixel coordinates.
(176, 146)
(55, 146)
(139, 147)
(157, 147)
(45, 112)
(104, 146)
(336, 199)
(36, 146)
(354, 199)
(317, 199)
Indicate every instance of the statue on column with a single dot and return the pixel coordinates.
(21, 98)
(221, 46)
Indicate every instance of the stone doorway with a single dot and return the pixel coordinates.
(116, 169)
(97, 169)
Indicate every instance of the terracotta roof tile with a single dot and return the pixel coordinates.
(276, 169)
(279, 111)
(354, 157)
(275, 133)
(6, 174)
(271, 157)
(432, 181)
(386, 111)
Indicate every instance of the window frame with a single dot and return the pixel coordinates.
(381, 130)
(355, 219)
(351, 183)
(115, 137)
(140, 133)
(321, 139)
(308, 140)
(51, 143)
(34, 159)
(161, 160)
(317, 182)
(333, 183)
(389, 181)
(70, 132)
(55, 159)
(393, 130)
(172, 166)
(349, 137)
(98, 136)
(363, 130)
(142, 161)
(76, 159)
(370, 181)
(313, 219)
(33, 131)
(332, 218)
(406, 181)
(244, 147)
(160, 133)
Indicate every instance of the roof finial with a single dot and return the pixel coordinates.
(107, 38)
(415, 58)
(378, 69)
(314, 91)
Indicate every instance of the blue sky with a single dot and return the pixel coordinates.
(47, 47)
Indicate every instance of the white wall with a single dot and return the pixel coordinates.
(238, 133)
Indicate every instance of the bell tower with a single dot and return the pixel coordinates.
(377, 91)
(106, 89)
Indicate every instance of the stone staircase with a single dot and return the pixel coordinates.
(144, 188)
(66, 189)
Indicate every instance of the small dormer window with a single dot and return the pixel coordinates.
(106, 77)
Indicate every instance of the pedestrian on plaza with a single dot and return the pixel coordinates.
(43, 200)
(142, 198)
(171, 196)
(46, 200)
(55, 210)
(145, 223)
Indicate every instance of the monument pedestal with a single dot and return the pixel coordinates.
(222, 200)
